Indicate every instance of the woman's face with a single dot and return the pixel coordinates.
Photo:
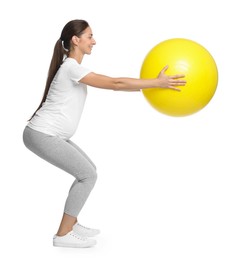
(86, 41)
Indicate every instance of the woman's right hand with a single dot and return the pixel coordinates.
(171, 82)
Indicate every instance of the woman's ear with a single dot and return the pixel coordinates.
(75, 40)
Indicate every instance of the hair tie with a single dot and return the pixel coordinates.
(63, 46)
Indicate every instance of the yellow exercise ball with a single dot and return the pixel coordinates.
(183, 56)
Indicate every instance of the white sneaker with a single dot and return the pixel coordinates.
(85, 231)
(73, 240)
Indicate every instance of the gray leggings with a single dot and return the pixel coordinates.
(69, 157)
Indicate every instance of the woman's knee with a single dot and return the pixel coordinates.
(89, 176)
(94, 176)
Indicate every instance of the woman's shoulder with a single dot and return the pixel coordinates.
(73, 69)
(69, 62)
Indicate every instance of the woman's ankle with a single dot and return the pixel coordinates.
(62, 233)
(66, 225)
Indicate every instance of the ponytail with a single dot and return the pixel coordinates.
(62, 47)
(56, 61)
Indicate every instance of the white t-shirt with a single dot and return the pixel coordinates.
(61, 112)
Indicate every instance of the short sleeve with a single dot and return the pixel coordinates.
(77, 72)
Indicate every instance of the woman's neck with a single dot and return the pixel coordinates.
(77, 56)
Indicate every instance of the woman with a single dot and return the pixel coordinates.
(55, 121)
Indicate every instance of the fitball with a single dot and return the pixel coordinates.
(183, 56)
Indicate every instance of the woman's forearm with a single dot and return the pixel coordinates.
(132, 84)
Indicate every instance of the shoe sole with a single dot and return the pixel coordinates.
(86, 245)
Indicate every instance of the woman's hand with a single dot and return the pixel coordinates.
(171, 82)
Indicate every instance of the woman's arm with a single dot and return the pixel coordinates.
(133, 84)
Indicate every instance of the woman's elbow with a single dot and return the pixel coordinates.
(117, 85)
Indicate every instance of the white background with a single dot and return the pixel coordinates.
(168, 188)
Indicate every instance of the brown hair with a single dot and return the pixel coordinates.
(62, 47)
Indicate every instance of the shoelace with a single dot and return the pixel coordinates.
(84, 227)
(78, 237)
